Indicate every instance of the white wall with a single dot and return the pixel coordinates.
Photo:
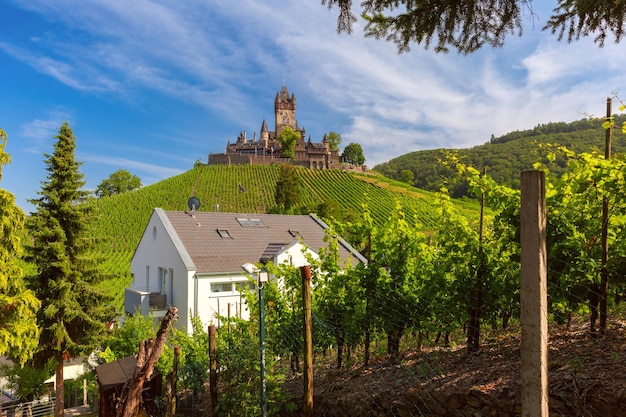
(214, 298)
(156, 249)
(192, 293)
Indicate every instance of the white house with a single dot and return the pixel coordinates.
(194, 261)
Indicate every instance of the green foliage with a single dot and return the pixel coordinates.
(406, 175)
(26, 381)
(18, 305)
(121, 219)
(334, 140)
(123, 341)
(194, 356)
(238, 355)
(402, 257)
(287, 194)
(574, 203)
(467, 26)
(121, 181)
(74, 311)
(339, 301)
(353, 154)
(287, 139)
(573, 20)
(505, 156)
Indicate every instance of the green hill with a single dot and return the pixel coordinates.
(123, 217)
(505, 156)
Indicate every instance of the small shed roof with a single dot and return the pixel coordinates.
(111, 375)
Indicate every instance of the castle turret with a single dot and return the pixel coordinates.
(265, 134)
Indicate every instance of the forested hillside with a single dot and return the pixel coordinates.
(250, 189)
(505, 156)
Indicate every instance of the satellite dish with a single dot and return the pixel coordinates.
(193, 203)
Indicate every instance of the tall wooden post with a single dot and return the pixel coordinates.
(212, 371)
(473, 330)
(534, 300)
(604, 278)
(170, 386)
(305, 272)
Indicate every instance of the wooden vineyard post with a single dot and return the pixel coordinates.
(533, 296)
(604, 272)
(305, 272)
(170, 387)
(129, 404)
(213, 371)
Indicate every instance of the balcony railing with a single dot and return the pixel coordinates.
(144, 301)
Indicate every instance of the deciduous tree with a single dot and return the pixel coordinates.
(119, 182)
(334, 140)
(353, 154)
(287, 139)
(19, 333)
(74, 310)
(406, 175)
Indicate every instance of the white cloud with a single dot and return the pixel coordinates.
(155, 170)
(222, 55)
(39, 133)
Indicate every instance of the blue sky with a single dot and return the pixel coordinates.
(153, 86)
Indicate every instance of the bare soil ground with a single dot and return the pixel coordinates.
(587, 377)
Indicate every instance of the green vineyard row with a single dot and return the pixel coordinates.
(248, 189)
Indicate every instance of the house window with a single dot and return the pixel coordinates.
(147, 277)
(222, 287)
(245, 286)
(224, 233)
(171, 286)
(162, 280)
(154, 232)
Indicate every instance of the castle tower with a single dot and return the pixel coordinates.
(284, 110)
(265, 134)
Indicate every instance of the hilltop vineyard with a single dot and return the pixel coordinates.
(245, 189)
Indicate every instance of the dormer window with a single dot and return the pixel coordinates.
(224, 233)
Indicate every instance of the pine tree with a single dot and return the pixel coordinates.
(74, 310)
(19, 333)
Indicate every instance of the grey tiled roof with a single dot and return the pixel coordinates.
(212, 253)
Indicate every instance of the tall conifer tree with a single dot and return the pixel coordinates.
(74, 310)
(19, 333)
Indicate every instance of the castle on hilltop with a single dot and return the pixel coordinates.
(266, 149)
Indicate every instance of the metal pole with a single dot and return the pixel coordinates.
(262, 348)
